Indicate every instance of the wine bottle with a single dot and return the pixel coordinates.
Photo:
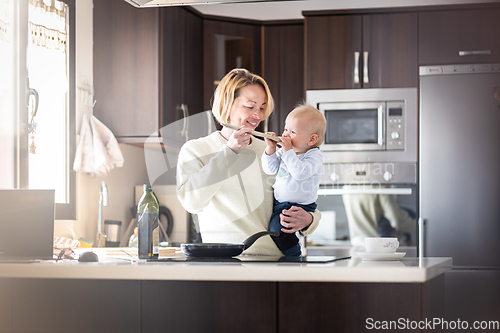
(148, 212)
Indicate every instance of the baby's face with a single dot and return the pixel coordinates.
(297, 129)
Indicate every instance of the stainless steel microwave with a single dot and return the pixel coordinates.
(368, 125)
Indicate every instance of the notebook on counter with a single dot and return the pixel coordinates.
(26, 224)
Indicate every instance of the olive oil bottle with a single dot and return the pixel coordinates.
(149, 231)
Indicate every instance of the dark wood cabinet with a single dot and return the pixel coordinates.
(392, 43)
(148, 66)
(208, 306)
(82, 305)
(358, 307)
(331, 42)
(235, 44)
(70, 305)
(126, 67)
(181, 64)
(283, 69)
(361, 51)
(459, 36)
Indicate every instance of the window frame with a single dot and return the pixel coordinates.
(68, 211)
(21, 145)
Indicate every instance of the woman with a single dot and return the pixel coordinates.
(219, 177)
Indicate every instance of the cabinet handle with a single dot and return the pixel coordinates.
(478, 52)
(356, 67)
(185, 114)
(366, 79)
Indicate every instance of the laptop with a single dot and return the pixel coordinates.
(26, 224)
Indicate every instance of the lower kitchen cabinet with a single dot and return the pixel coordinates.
(355, 307)
(473, 295)
(5, 306)
(208, 306)
(69, 305)
(148, 306)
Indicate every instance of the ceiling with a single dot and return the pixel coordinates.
(286, 10)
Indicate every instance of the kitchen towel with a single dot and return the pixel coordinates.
(98, 151)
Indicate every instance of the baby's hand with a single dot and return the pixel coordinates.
(271, 145)
(286, 143)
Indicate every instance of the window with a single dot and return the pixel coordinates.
(37, 98)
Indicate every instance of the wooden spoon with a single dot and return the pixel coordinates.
(254, 133)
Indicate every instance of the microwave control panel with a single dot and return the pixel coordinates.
(395, 126)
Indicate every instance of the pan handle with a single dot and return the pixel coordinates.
(250, 240)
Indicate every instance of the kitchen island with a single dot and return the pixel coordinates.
(130, 295)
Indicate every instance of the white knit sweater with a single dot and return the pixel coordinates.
(229, 192)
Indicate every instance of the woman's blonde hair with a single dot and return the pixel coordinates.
(229, 89)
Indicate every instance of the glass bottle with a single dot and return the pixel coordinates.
(134, 239)
(149, 232)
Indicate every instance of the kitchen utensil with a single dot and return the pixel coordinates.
(254, 133)
(222, 249)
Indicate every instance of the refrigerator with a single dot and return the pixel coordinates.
(459, 183)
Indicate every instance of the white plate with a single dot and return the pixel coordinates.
(381, 256)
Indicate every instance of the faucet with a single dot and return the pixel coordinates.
(103, 201)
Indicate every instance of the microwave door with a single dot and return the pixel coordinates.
(354, 126)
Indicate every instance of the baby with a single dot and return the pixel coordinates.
(297, 166)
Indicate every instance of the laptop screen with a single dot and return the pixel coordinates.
(26, 224)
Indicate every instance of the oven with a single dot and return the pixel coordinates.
(370, 149)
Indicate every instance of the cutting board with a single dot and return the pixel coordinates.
(126, 251)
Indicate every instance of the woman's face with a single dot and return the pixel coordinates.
(248, 109)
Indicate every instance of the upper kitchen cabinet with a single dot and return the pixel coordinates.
(148, 67)
(283, 69)
(126, 67)
(459, 36)
(181, 64)
(228, 45)
(376, 50)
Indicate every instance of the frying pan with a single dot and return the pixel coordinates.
(222, 249)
